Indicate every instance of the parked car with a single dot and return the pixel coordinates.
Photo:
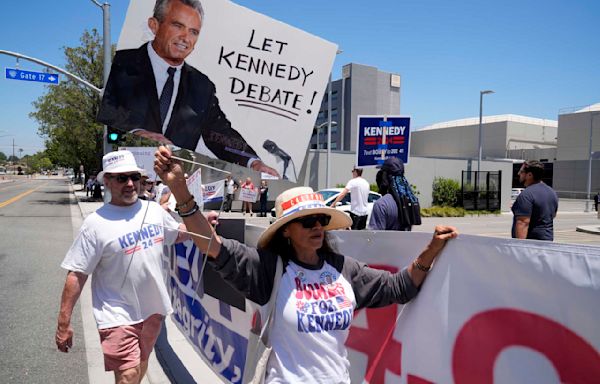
(330, 194)
(515, 193)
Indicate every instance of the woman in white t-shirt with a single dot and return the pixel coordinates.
(319, 288)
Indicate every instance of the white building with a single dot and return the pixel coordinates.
(576, 129)
(503, 137)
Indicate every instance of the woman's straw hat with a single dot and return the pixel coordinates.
(299, 202)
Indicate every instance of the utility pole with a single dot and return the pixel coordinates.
(13, 157)
(107, 58)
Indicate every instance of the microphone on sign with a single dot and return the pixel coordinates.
(274, 149)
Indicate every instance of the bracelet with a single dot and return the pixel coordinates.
(421, 267)
(184, 205)
(195, 209)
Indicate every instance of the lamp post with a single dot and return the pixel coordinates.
(590, 155)
(481, 93)
(107, 55)
(329, 122)
(318, 128)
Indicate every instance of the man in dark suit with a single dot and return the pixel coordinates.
(154, 93)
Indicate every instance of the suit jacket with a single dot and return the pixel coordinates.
(130, 102)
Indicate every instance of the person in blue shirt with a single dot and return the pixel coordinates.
(535, 207)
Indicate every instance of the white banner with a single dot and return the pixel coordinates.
(490, 311)
(194, 184)
(247, 194)
(213, 192)
(269, 88)
(144, 157)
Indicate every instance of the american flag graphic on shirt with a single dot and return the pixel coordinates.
(343, 302)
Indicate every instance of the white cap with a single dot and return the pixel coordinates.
(118, 162)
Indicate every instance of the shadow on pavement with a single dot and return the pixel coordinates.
(63, 201)
(169, 361)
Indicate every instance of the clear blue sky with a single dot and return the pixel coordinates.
(540, 56)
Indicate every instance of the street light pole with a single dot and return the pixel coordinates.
(328, 132)
(329, 92)
(481, 93)
(318, 129)
(107, 56)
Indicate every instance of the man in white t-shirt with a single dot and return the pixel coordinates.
(121, 245)
(359, 198)
(230, 188)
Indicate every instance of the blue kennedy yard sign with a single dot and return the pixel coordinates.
(380, 137)
(40, 77)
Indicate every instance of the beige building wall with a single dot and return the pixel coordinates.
(574, 135)
(501, 134)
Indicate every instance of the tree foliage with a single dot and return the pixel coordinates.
(445, 192)
(67, 112)
(37, 162)
(2, 156)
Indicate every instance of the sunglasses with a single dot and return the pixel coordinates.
(310, 221)
(122, 178)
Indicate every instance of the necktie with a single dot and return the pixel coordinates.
(165, 96)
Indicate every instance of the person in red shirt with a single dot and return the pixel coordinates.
(247, 205)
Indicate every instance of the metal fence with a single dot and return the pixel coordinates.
(481, 190)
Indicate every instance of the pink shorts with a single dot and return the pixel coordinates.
(126, 346)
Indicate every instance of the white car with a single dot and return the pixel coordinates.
(515, 193)
(330, 194)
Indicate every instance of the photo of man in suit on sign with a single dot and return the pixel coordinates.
(154, 93)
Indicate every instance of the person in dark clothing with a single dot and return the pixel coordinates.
(596, 201)
(398, 209)
(97, 190)
(264, 194)
(535, 207)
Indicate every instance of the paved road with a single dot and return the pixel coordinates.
(499, 226)
(35, 217)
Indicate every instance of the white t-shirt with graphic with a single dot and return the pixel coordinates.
(314, 307)
(359, 195)
(124, 258)
(318, 304)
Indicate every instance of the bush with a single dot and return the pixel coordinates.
(437, 211)
(445, 192)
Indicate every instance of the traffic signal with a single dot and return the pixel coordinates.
(113, 136)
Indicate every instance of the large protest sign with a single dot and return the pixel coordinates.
(491, 310)
(269, 90)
